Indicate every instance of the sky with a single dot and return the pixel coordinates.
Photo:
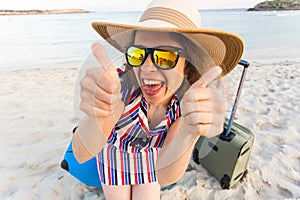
(115, 5)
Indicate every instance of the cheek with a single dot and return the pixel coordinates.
(174, 82)
(136, 73)
(176, 77)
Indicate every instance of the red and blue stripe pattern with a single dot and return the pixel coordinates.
(130, 154)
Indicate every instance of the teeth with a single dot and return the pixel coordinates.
(151, 82)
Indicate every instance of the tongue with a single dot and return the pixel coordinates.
(151, 87)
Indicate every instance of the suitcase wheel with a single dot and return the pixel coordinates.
(225, 182)
(195, 156)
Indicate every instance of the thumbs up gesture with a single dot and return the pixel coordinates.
(203, 107)
(100, 88)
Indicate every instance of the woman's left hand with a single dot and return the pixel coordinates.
(202, 107)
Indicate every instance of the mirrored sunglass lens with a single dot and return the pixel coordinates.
(165, 59)
(135, 56)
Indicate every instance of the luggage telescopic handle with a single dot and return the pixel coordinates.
(246, 64)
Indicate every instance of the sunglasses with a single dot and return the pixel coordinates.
(163, 57)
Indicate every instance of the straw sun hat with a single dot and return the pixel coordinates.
(225, 48)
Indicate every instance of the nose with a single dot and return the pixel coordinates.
(148, 65)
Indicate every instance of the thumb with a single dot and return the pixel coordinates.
(102, 57)
(208, 77)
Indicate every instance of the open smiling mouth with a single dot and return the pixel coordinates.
(151, 87)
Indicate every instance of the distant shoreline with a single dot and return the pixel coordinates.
(42, 12)
(277, 5)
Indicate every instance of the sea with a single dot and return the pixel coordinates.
(64, 40)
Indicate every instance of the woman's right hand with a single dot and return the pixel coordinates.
(100, 88)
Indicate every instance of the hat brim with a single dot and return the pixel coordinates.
(225, 48)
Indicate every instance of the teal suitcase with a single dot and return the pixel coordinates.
(226, 156)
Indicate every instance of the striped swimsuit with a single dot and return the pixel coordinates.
(129, 156)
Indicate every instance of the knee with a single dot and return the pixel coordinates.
(148, 191)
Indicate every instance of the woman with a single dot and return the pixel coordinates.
(142, 124)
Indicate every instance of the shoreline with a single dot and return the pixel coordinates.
(276, 5)
(42, 12)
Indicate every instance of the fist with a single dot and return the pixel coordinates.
(100, 88)
(203, 108)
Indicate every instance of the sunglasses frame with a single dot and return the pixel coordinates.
(151, 51)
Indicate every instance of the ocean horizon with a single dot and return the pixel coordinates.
(59, 40)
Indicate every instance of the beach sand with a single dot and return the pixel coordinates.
(37, 118)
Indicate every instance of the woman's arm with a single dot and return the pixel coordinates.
(175, 155)
(203, 111)
(101, 101)
(92, 133)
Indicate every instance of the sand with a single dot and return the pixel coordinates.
(37, 117)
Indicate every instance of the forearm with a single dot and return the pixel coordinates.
(92, 133)
(174, 157)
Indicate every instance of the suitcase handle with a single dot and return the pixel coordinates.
(245, 64)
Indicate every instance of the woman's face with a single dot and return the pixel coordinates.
(158, 86)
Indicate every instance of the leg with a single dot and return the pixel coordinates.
(149, 191)
(120, 192)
